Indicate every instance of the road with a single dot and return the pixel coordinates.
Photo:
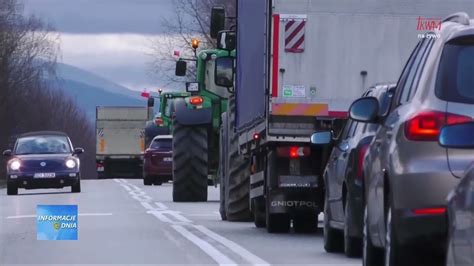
(123, 222)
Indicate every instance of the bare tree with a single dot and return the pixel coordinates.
(28, 53)
(191, 19)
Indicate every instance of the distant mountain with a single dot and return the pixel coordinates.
(89, 97)
(90, 90)
(68, 72)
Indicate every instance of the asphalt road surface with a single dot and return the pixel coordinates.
(123, 222)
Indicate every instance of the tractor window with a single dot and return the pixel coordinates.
(168, 108)
(210, 85)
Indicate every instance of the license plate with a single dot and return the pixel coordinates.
(167, 159)
(44, 175)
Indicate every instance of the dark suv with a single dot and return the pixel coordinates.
(343, 178)
(407, 174)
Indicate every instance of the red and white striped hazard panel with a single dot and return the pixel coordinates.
(295, 26)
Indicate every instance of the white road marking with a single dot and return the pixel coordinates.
(182, 221)
(80, 214)
(215, 254)
(147, 205)
(242, 252)
(126, 187)
(161, 205)
(160, 216)
(178, 216)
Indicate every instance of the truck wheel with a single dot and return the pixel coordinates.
(258, 214)
(307, 223)
(190, 158)
(222, 160)
(76, 188)
(12, 189)
(238, 174)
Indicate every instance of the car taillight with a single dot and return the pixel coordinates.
(293, 152)
(426, 126)
(429, 211)
(197, 100)
(159, 121)
(360, 160)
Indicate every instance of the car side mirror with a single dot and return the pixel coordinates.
(181, 67)
(78, 151)
(151, 102)
(459, 136)
(322, 138)
(365, 110)
(217, 21)
(7, 153)
(224, 71)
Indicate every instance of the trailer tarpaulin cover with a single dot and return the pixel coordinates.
(251, 62)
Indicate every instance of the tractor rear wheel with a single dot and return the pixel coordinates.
(190, 159)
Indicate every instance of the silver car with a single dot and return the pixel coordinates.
(407, 174)
(461, 199)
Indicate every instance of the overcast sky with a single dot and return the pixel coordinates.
(107, 37)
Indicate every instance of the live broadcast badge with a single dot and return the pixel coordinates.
(56, 222)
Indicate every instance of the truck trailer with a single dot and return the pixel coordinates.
(120, 135)
(299, 66)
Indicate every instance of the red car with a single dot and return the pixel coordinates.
(158, 161)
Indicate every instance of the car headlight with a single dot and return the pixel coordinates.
(15, 164)
(70, 163)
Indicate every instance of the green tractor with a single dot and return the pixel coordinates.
(204, 144)
(161, 123)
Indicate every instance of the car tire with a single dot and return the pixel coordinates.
(12, 189)
(190, 162)
(147, 180)
(333, 238)
(307, 223)
(157, 181)
(371, 255)
(352, 245)
(395, 254)
(76, 188)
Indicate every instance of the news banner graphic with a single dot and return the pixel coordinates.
(56, 222)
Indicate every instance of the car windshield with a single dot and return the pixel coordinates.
(161, 144)
(42, 145)
(455, 77)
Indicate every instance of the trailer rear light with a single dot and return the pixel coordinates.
(159, 121)
(426, 125)
(293, 152)
(256, 137)
(429, 211)
(196, 100)
(360, 160)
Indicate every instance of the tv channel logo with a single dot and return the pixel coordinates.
(56, 222)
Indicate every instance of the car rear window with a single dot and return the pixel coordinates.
(161, 144)
(455, 81)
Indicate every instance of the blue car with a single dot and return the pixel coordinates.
(43, 160)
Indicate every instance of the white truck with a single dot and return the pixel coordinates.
(120, 141)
